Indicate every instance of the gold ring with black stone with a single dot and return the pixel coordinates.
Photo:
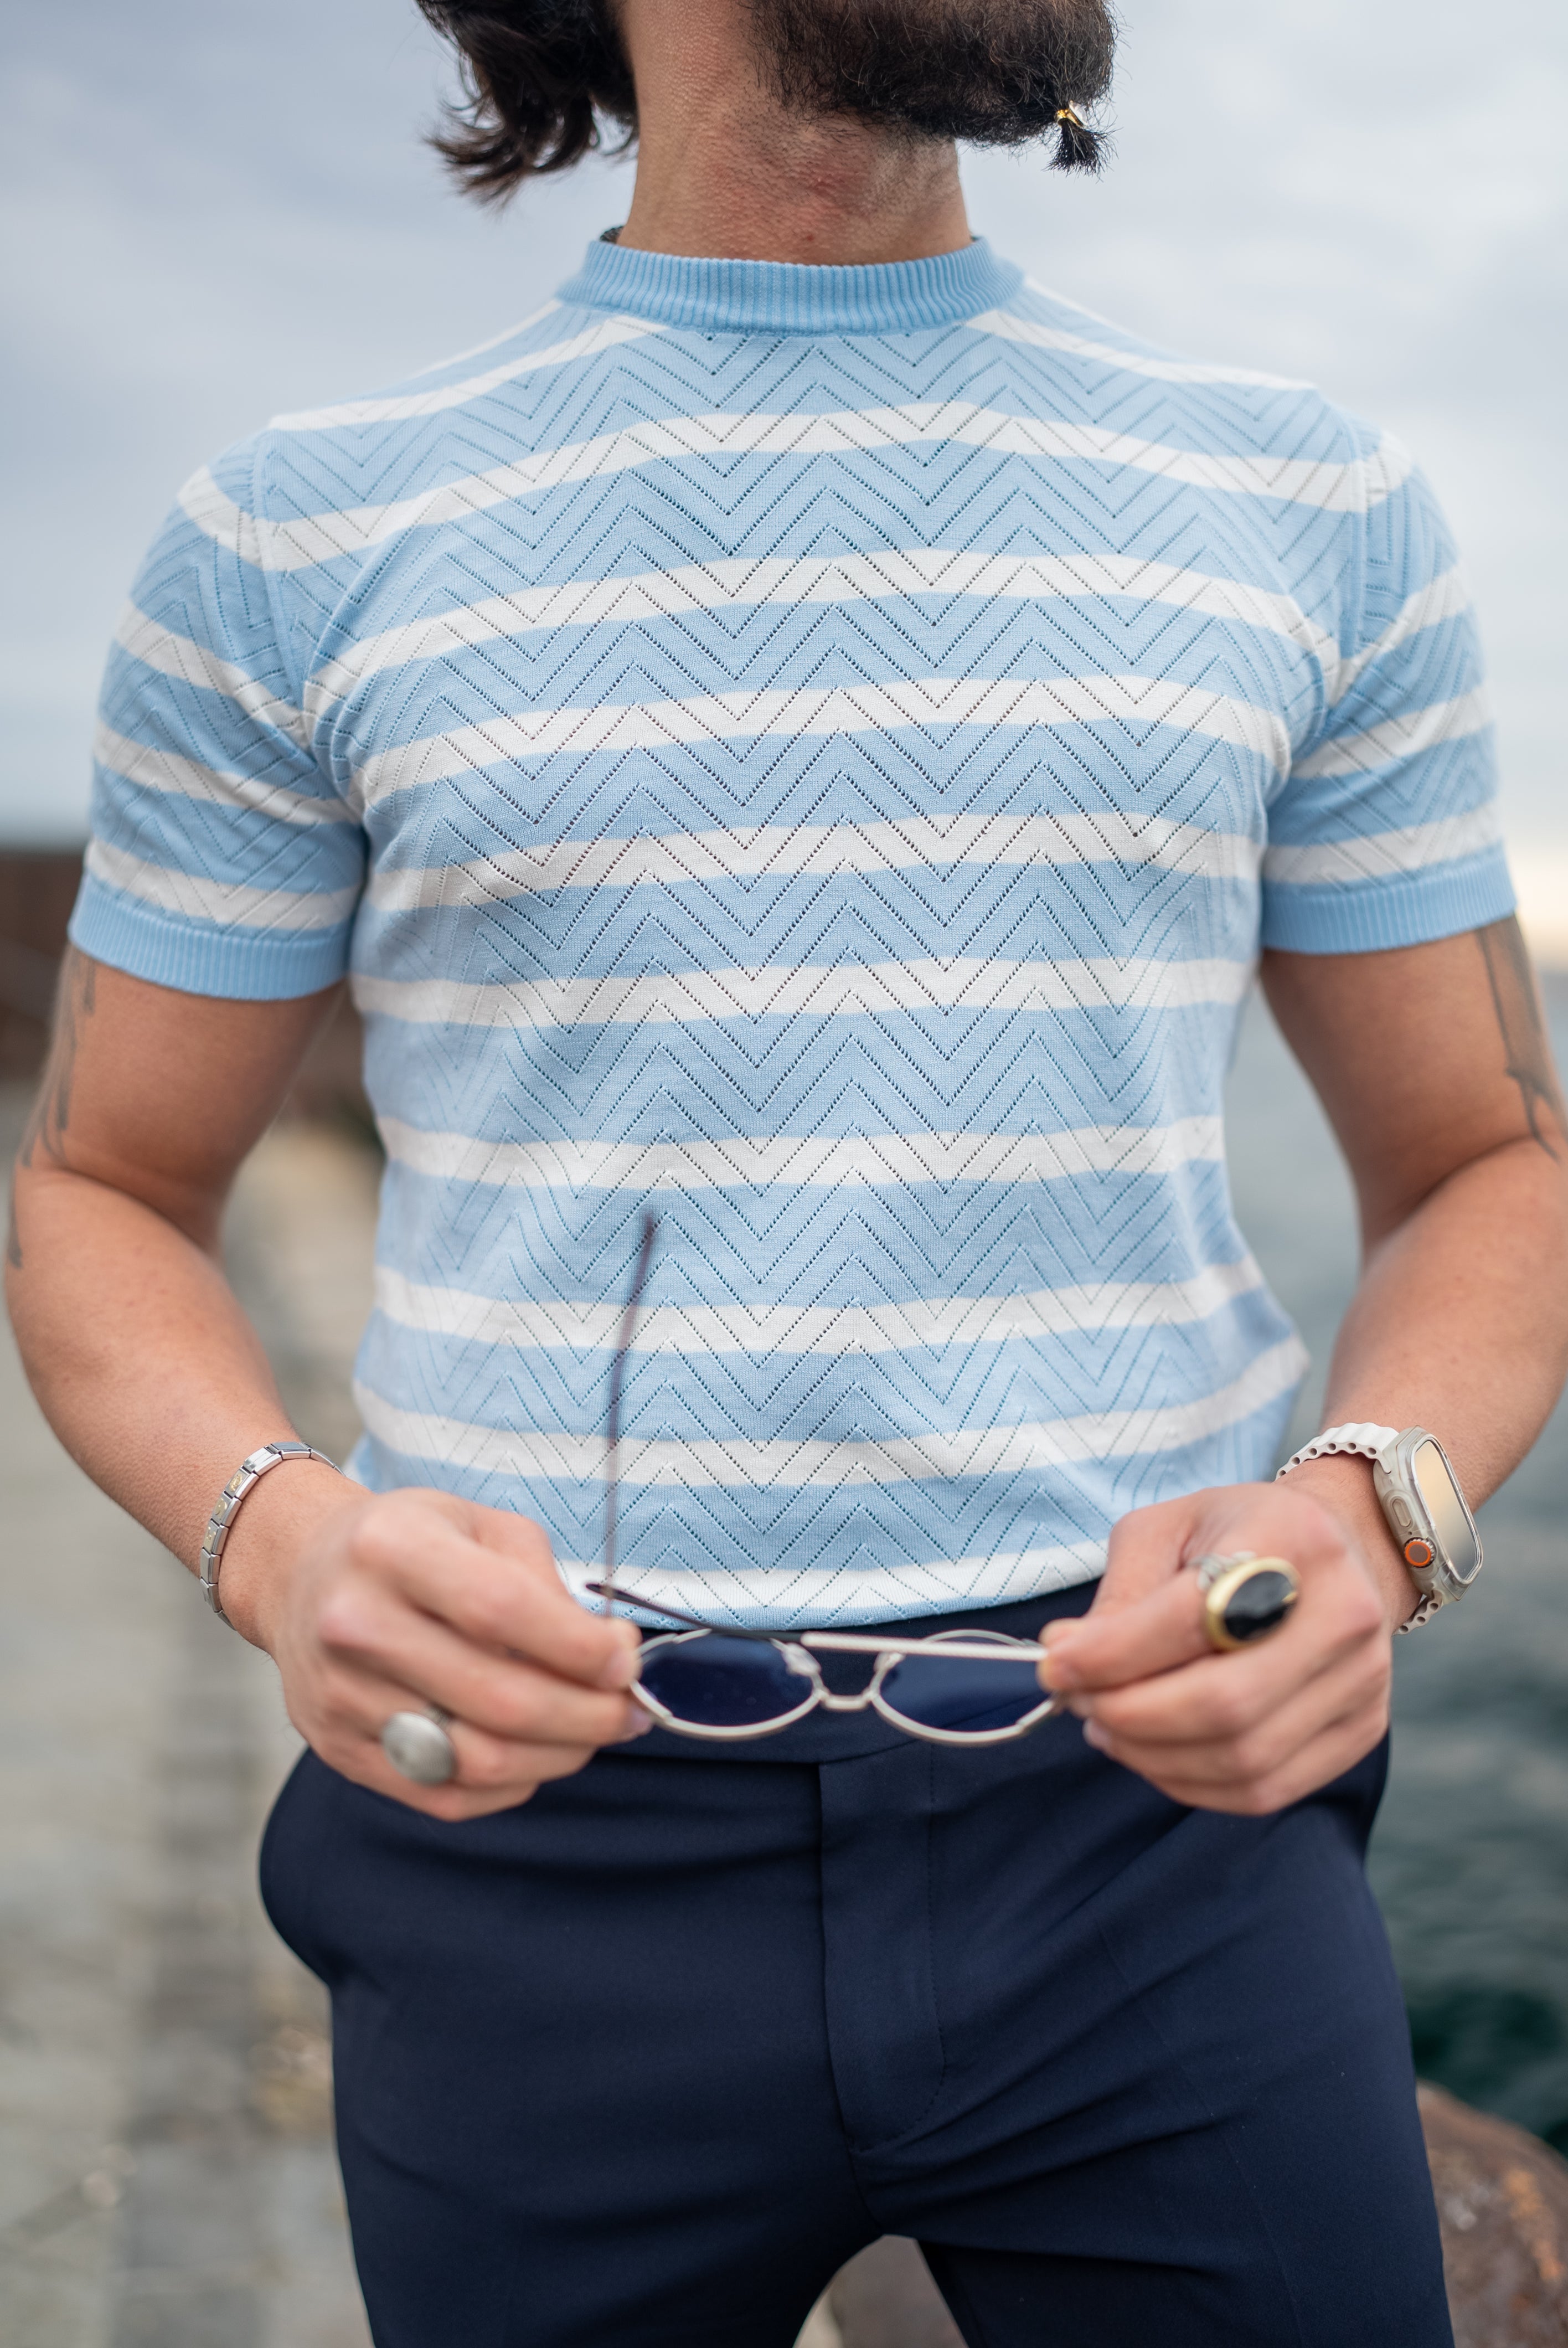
(1246, 1597)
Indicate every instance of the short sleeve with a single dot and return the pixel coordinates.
(222, 860)
(1386, 831)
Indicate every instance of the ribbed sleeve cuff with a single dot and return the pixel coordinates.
(202, 957)
(1366, 917)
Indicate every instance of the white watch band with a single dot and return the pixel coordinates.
(1368, 1439)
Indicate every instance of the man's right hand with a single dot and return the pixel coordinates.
(152, 1377)
(394, 1602)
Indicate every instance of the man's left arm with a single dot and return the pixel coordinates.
(1433, 1065)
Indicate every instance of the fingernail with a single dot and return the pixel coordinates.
(1056, 1670)
(1094, 1734)
(623, 1668)
(638, 1723)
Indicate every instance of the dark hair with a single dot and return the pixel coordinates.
(542, 78)
(537, 76)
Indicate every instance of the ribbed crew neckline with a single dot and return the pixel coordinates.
(791, 297)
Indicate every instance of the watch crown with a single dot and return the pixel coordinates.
(1419, 1552)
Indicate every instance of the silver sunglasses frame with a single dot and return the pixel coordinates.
(800, 1654)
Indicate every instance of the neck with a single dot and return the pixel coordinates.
(725, 171)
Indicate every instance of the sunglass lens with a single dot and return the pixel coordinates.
(718, 1682)
(962, 1698)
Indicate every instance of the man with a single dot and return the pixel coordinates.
(811, 734)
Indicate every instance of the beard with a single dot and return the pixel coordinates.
(994, 72)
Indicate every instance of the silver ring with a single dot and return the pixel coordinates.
(418, 1747)
(1209, 1569)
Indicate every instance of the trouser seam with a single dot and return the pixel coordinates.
(850, 2152)
(916, 2120)
(1202, 2104)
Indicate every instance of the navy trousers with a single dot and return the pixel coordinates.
(640, 2063)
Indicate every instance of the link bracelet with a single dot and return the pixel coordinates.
(243, 1481)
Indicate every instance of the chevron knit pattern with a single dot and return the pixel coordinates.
(816, 751)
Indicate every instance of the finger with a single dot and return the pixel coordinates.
(1336, 1620)
(1336, 1747)
(379, 1636)
(1260, 1747)
(1146, 1549)
(1152, 1633)
(355, 1706)
(1120, 1638)
(503, 1591)
(486, 1781)
(1144, 1556)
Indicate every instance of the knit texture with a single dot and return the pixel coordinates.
(814, 751)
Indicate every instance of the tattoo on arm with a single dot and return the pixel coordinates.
(43, 1135)
(1527, 1049)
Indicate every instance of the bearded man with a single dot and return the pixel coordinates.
(814, 732)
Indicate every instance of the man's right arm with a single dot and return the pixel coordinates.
(155, 1382)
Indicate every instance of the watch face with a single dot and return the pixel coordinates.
(1445, 1505)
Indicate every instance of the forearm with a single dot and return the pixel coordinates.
(135, 1345)
(1460, 1324)
(146, 1366)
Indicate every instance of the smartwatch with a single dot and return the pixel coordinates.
(1422, 1501)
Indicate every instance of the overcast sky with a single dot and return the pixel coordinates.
(213, 212)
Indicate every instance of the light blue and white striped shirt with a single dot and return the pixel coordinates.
(816, 751)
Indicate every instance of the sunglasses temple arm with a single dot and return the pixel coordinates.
(613, 1425)
(673, 1614)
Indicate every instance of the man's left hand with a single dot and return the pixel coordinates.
(1252, 1729)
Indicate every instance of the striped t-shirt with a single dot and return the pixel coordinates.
(813, 751)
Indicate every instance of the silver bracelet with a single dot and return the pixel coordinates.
(243, 1481)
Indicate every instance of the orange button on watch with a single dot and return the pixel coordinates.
(1419, 1552)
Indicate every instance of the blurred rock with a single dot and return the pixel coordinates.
(1502, 2202)
(37, 890)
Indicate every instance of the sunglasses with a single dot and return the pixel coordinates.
(951, 1688)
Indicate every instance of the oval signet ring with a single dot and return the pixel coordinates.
(418, 1747)
(1246, 1597)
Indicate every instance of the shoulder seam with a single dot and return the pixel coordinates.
(273, 590)
(1360, 520)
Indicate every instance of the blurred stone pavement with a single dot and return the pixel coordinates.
(167, 2177)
